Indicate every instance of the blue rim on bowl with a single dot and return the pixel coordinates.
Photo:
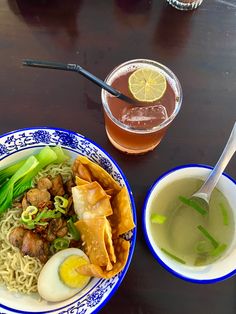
(35, 137)
(144, 227)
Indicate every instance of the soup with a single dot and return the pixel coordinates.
(188, 233)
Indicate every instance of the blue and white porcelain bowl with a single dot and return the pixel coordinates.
(222, 268)
(24, 142)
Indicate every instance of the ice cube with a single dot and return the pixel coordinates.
(144, 117)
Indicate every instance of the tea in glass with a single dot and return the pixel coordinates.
(137, 129)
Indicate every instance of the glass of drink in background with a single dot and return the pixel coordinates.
(139, 129)
(185, 4)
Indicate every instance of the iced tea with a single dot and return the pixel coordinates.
(138, 129)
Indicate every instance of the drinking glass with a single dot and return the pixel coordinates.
(185, 4)
(134, 129)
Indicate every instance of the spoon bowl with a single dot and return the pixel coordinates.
(204, 193)
(197, 206)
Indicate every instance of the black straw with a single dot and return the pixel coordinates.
(77, 68)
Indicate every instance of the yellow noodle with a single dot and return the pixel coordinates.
(64, 169)
(18, 273)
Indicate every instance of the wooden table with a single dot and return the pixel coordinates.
(199, 46)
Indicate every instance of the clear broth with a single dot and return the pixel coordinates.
(179, 234)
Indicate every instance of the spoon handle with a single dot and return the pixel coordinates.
(225, 157)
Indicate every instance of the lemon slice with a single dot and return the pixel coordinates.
(68, 273)
(147, 85)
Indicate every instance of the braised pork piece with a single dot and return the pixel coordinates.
(37, 242)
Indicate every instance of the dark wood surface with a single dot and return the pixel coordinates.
(199, 46)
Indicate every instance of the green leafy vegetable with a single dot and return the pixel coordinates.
(194, 204)
(18, 178)
(177, 259)
(6, 173)
(72, 229)
(7, 190)
(224, 214)
(159, 219)
(61, 155)
(208, 236)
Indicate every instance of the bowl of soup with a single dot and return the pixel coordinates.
(191, 242)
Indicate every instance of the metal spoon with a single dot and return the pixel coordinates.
(203, 195)
(188, 220)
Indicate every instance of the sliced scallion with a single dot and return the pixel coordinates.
(60, 244)
(224, 214)
(176, 258)
(194, 204)
(219, 250)
(158, 219)
(208, 236)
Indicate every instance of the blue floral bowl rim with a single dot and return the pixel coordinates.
(132, 247)
(155, 255)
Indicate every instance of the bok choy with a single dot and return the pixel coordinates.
(17, 178)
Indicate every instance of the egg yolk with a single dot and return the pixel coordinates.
(68, 273)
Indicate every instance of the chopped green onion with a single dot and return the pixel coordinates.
(159, 219)
(61, 201)
(31, 210)
(72, 229)
(46, 214)
(219, 250)
(224, 214)
(177, 259)
(26, 217)
(194, 204)
(60, 244)
(208, 236)
(59, 209)
(31, 223)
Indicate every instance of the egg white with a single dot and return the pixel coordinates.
(50, 287)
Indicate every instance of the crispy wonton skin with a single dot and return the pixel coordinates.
(122, 252)
(94, 235)
(122, 219)
(104, 212)
(90, 200)
(94, 173)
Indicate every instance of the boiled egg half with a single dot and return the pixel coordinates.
(59, 279)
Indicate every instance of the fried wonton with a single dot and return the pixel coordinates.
(104, 212)
(122, 220)
(96, 238)
(94, 173)
(80, 181)
(122, 252)
(90, 200)
(81, 171)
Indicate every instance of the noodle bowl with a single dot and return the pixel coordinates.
(21, 144)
